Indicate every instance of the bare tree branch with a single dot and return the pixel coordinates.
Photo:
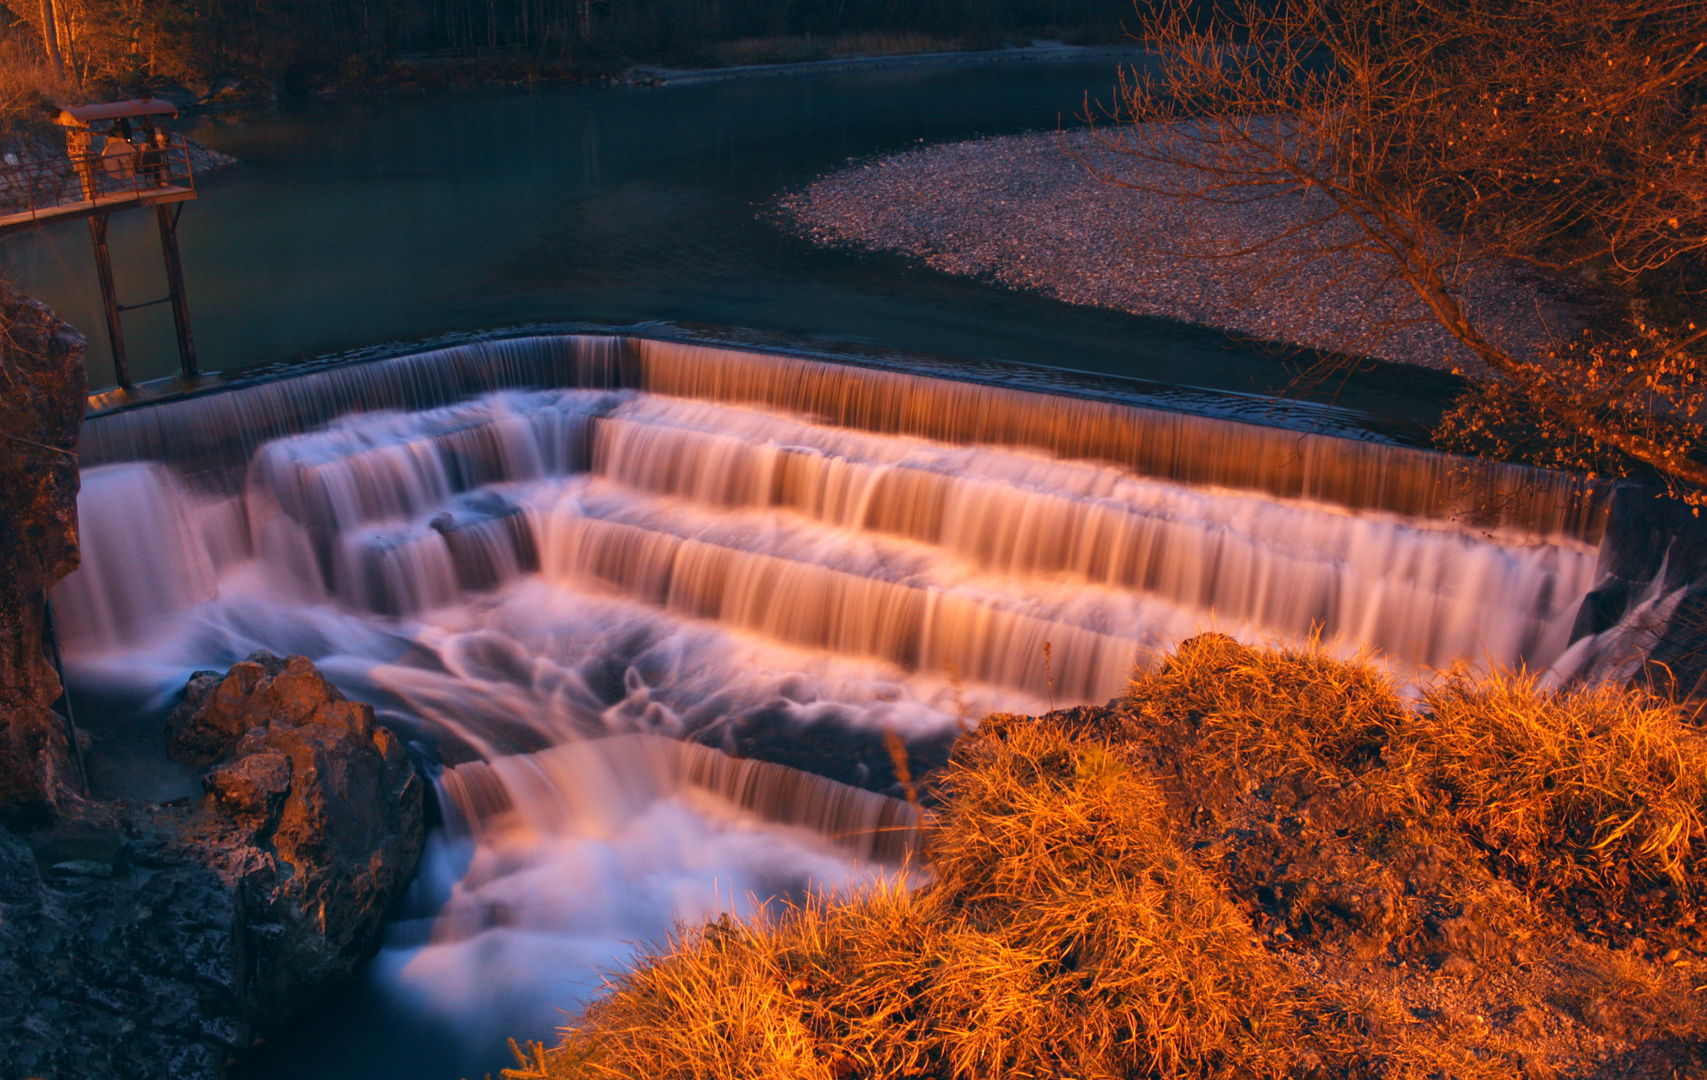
(1443, 139)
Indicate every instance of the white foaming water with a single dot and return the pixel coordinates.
(122, 586)
(1416, 590)
(784, 564)
(534, 922)
(557, 864)
(593, 784)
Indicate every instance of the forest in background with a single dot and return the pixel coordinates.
(259, 48)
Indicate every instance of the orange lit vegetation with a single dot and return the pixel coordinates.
(1438, 140)
(1255, 864)
(27, 85)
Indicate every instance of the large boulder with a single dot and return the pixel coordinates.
(316, 809)
(140, 941)
(43, 387)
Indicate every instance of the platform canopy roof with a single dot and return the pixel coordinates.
(84, 115)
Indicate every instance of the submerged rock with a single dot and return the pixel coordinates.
(143, 941)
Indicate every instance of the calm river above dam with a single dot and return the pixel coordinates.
(354, 223)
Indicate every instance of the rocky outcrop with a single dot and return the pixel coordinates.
(119, 956)
(141, 941)
(43, 384)
(315, 809)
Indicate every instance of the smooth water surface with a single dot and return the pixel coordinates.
(355, 223)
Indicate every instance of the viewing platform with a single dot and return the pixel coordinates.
(118, 156)
(87, 182)
(40, 193)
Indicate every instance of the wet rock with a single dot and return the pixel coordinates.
(163, 940)
(317, 811)
(107, 976)
(252, 790)
(218, 711)
(833, 748)
(41, 412)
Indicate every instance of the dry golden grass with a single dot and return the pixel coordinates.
(1615, 989)
(1613, 780)
(1063, 853)
(1066, 931)
(1617, 779)
(1065, 934)
(1293, 708)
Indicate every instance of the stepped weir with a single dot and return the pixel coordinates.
(631, 590)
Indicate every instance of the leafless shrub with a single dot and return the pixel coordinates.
(1437, 140)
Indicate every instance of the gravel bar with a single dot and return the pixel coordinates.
(1028, 212)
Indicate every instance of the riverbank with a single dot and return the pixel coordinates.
(24, 107)
(749, 58)
(1254, 863)
(924, 57)
(149, 931)
(1028, 211)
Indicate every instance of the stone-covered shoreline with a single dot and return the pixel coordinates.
(1028, 212)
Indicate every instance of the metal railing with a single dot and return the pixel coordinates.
(39, 187)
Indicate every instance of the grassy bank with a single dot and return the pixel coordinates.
(1255, 864)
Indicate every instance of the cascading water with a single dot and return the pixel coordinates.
(658, 607)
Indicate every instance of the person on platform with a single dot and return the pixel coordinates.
(118, 157)
(151, 157)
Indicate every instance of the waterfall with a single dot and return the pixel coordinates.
(123, 586)
(587, 786)
(1411, 588)
(666, 611)
(209, 434)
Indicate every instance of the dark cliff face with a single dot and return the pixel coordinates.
(43, 385)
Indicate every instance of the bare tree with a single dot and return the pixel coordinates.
(50, 38)
(1435, 140)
